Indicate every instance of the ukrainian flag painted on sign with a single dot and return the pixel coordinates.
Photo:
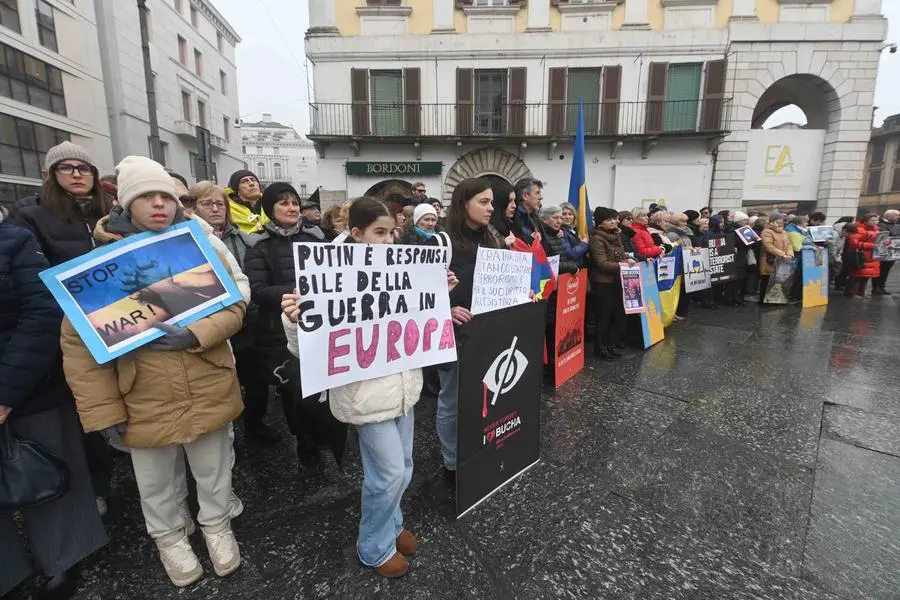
(669, 282)
(577, 187)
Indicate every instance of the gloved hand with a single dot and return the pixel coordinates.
(176, 338)
(114, 434)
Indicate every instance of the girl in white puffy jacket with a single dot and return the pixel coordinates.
(382, 410)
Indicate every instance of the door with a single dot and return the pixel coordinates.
(583, 85)
(682, 97)
(387, 102)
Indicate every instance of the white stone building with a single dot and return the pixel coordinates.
(51, 89)
(192, 60)
(675, 93)
(276, 152)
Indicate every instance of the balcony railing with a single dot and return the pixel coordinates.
(601, 119)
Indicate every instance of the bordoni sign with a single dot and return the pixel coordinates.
(783, 164)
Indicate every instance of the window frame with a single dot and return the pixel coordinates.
(182, 51)
(186, 108)
(11, 7)
(201, 113)
(46, 32)
(198, 63)
(31, 152)
(15, 68)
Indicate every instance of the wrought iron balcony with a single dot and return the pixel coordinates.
(654, 118)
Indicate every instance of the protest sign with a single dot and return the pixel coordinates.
(652, 318)
(570, 306)
(666, 268)
(113, 295)
(883, 251)
(721, 258)
(696, 269)
(669, 282)
(747, 235)
(822, 233)
(632, 290)
(815, 277)
(370, 310)
(502, 278)
(498, 417)
(553, 261)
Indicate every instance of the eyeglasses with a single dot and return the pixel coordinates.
(68, 169)
(210, 204)
(187, 201)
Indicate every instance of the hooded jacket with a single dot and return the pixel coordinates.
(164, 398)
(862, 238)
(643, 241)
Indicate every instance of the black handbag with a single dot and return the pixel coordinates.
(29, 474)
(854, 259)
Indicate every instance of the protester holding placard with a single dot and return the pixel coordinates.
(861, 240)
(627, 234)
(576, 248)
(382, 411)
(775, 244)
(735, 289)
(659, 230)
(643, 241)
(179, 391)
(888, 223)
(679, 233)
(607, 252)
(71, 204)
(270, 266)
(504, 203)
(554, 244)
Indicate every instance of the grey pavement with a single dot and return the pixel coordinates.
(755, 453)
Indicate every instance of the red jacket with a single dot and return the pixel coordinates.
(863, 239)
(643, 241)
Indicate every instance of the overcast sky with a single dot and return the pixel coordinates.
(272, 73)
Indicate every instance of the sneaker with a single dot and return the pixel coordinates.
(396, 566)
(189, 525)
(180, 562)
(101, 506)
(237, 507)
(223, 550)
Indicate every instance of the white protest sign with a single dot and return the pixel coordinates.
(553, 261)
(502, 279)
(696, 269)
(367, 311)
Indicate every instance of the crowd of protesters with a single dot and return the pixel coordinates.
(171, 404)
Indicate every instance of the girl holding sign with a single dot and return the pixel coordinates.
(382, 410)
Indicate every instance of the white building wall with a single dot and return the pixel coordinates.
(296, 155)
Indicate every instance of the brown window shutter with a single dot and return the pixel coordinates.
(713, 96)
(359, 93)
(516, 100)
(412, 101)
(612, 94)
(465, 101)
(556, 109)
(656, 97)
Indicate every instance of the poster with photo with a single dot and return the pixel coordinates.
(632, 288)
(886, 251)
(747, 235)
(822, 233)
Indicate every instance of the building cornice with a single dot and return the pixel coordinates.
(492, 11)
(218, 21)
(681, 3)
(600, 7)
(384, 11)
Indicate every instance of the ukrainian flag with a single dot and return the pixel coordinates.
(577, 189)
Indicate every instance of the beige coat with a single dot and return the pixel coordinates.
(774, 243)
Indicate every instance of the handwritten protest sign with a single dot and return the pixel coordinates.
(113, 295)
(367, 311)
(502, 279)
(696, 269)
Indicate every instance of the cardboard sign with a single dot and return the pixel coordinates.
(632, 289)
(652, 318)
(571, 296)
(815, 277)
(665, 268)
(498, 420)
(721, 258)
(370, 310)
(502, 279)
(696, 269)
(747, 235)
(114, 294)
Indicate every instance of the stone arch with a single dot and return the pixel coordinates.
(485, 161)
(815, 96)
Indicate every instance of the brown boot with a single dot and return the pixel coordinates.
(396, 566)
(407, 544)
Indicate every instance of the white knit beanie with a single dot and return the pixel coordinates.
(422, 210)
(66, 150)
(739, 216)
(139, 175)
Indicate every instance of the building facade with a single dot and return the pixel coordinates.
(51, 89)
(194, 80)
(275, 152)
(674, 96)
(881, 179)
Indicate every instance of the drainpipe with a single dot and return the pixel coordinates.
(156, 152)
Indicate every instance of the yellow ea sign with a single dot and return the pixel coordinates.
(778, 158)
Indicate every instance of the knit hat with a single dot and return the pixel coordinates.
(421, 211)
(601, 213)
(236, 177)
(738, 216)
(270, 196)
(139, 175)
(692, 215)
(66, 150)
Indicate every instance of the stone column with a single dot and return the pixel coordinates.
(866, 9)
(538, 15)
(443, 16)
(322, 19)
(636, 14)
(744, 10)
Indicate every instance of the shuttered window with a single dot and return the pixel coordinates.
(386, 95)
(490, 101)
(682, 97)
(583, 85)
(876, 167)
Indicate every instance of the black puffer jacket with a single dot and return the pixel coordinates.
(555, 246)
(31, 376)
(60, 240)
(269, 264)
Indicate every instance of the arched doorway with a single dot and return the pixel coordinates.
(810, 95)
(495, 164)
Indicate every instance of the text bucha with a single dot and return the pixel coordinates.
(375, 295)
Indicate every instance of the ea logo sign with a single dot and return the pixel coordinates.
(503, 374)
(778, 159)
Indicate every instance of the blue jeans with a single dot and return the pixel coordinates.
(445, 419)
(386, 450)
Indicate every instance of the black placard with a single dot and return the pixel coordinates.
(499, 422)
(721, 258)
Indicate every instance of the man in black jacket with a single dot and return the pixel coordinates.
(889, 223)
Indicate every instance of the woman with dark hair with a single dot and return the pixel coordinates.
(607, 252)
(504, 211)
(269, 263)
(63, 223)
(626, 220)
(469, 227)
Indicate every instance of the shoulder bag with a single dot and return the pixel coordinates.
(29, 474)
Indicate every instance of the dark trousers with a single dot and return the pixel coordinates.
(763, 287)
(684, 303)
(886, 267)
(752, 286)
(856, 286)
(99, 463)
(840, 280)
(610, 314)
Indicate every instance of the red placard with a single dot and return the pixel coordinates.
(570, 305)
